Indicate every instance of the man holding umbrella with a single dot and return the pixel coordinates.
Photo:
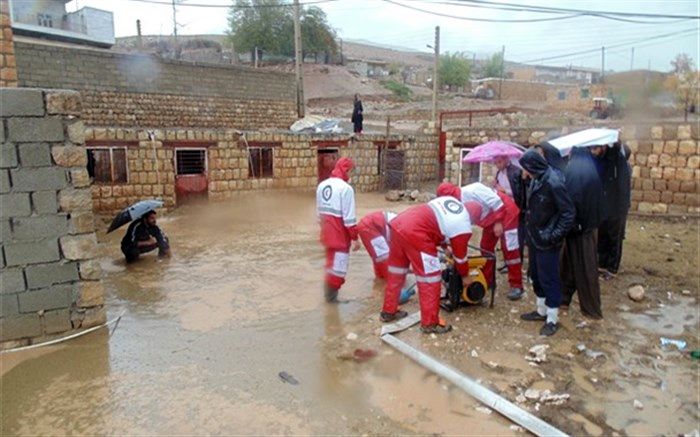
(143, 235)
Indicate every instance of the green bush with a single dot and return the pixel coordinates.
(399, 89)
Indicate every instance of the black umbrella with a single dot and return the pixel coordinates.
(134, 212)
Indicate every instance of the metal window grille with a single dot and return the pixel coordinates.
(191, 161)
(107, 164)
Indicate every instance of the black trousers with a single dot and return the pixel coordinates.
(132, 251)
(611, 235)
(579, 272)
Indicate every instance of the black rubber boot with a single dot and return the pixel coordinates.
(436, 329)
(331, 294)
(533, 317)
(389, 317)
(549, 329)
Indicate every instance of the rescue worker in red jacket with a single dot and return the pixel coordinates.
(335, 207)
(498, 215)
(373, 230)
(415, 235)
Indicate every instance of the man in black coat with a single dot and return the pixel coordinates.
(144, 236)
(580, 258)
(549, 217)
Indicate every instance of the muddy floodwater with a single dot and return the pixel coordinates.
(206, 334)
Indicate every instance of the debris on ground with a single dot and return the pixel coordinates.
(351, 336)
(532, 394)
(538, 353)
(638, 405)
(679, 344)
(475, 354)
(288, 378)
(409, 195)
(483, 410)
(547, 397)
(516, 428)
(636, 293)
(686, 292)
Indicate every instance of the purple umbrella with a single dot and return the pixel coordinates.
(487, 152)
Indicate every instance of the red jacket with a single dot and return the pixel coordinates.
(377, 222)
(335, 207)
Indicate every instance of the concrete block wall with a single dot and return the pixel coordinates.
(49, 280)
(8, 70)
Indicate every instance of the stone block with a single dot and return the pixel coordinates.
(685, 174)
(677, 209)
(673, 185)
(687, 147)
(659, 208)
(636, 171)
(69, 156)
(651, 196)
(45, 275)
(79, 247)
(91, 293)
(645, 147)
(641, 159)
(80, 178)
(8, 155)
(693, 162)
(657, 147)
(652, 160)
(5, 233)
(36, 227)
(687, 186)
(57, 321)
(645, 207)
(19, 253)
(93, 317)
(90, 270)
(665, 160)
(679, 198)
(671, 147)
(692, 200)
(37, 179)
(22, 326)
(12, 280)
(45, 202)
(70, 200)
(657, 173)
(21, 102)
(76, 132)
(5, 185)
(15, 205)
(66, 102)
(669, 173)
(9, 305)
(34, 155)
(637, 195)
(31, 130)
(685, 132)
(647, 184)
(660, 185)
(666, 197)
(51, 298)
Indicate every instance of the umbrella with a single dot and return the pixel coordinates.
(134, 212)
(585, 138)
(489, 151)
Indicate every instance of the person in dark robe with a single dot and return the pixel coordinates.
(579, 267)
(553, 156)
(144, 236)
(617, 185)
(357, 115)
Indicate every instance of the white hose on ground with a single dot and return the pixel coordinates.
(62, 339)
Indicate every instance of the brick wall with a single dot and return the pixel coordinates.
(49, 280)
(665, 161)
(133, 90)
(151, 163)
(8, 71)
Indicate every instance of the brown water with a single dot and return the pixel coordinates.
(206, 333)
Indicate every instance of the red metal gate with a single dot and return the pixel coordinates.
(191, 180)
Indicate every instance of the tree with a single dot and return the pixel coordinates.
(454, 70)
(682, 63)
(269, 26)
(494, 66)
(686, 89)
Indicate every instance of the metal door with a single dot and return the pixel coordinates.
(393, 169)
(191, 180)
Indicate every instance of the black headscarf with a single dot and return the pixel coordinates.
(585, 188)
(553, 157)
(534, 163)
(617, 180)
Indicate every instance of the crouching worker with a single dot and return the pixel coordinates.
(373, 230)
(550, 216)
(415, 235)
(335, 207)
(144, 236)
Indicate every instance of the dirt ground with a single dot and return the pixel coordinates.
(206, 334)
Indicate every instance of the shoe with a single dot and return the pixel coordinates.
(549, 329)
(330, 293)
(389, 317)
(503, 269)
(436, 329)
(515, 294)
(533, 317)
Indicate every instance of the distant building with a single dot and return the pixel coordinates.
(368, 68)
(48, 19)
(546, 73)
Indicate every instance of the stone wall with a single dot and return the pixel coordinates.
(135, 90)
(49, 281)
(8, 70)
(665, 161)
(151, 163)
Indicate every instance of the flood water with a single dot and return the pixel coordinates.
(206, 333)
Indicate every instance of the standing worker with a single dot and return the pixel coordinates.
(373, 230)
(550, 215)
(357, 117)
(510, 180)
(335, 207)
(415, 235)
(498, 216)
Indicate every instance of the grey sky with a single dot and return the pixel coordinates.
(381, 22)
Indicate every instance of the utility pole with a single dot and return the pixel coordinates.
(435, 73)
(632, 60)
(298, 53)
(139, 40)
(177, 52)
(602, 64)
(503, 71)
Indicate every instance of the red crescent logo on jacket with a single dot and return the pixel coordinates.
(453, 206)
(327, 192)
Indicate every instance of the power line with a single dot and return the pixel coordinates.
(204, 5)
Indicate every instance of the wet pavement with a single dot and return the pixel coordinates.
(206, 333)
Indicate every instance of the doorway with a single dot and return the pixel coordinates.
(191, 182)
(393, 169)
(468, 173)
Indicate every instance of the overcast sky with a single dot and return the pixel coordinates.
(391, 24)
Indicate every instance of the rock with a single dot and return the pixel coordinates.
(393, 195)
(686, 293)
(520, 398)
(474, 354)
(581, 347)
(493, 364)
(636, 293)
(553, 399)
(425, 197)
(532, 394)
(483, 410)
(414, 194)
(538, 353)
(351, 336)
(516, 428)
(638, 405)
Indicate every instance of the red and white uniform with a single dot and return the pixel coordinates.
(335, 207)
(486, 207)
(415, 235)
(374, 232)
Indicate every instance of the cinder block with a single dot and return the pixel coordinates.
(37, 179)
(44, 226)
(45, 202)
(5, 232)
(31, 130)
(44, 275)
(8, 155)
(57, 321)
(9, 305)
(5, 181)
(15, 205)
(55, 297)
(12, 281)
(22, 326)
(21, 102)
(34, 155)
(32, 252)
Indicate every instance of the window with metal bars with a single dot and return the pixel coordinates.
(44, 20)
(260, 162)
(107, 165)
(191, 161)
